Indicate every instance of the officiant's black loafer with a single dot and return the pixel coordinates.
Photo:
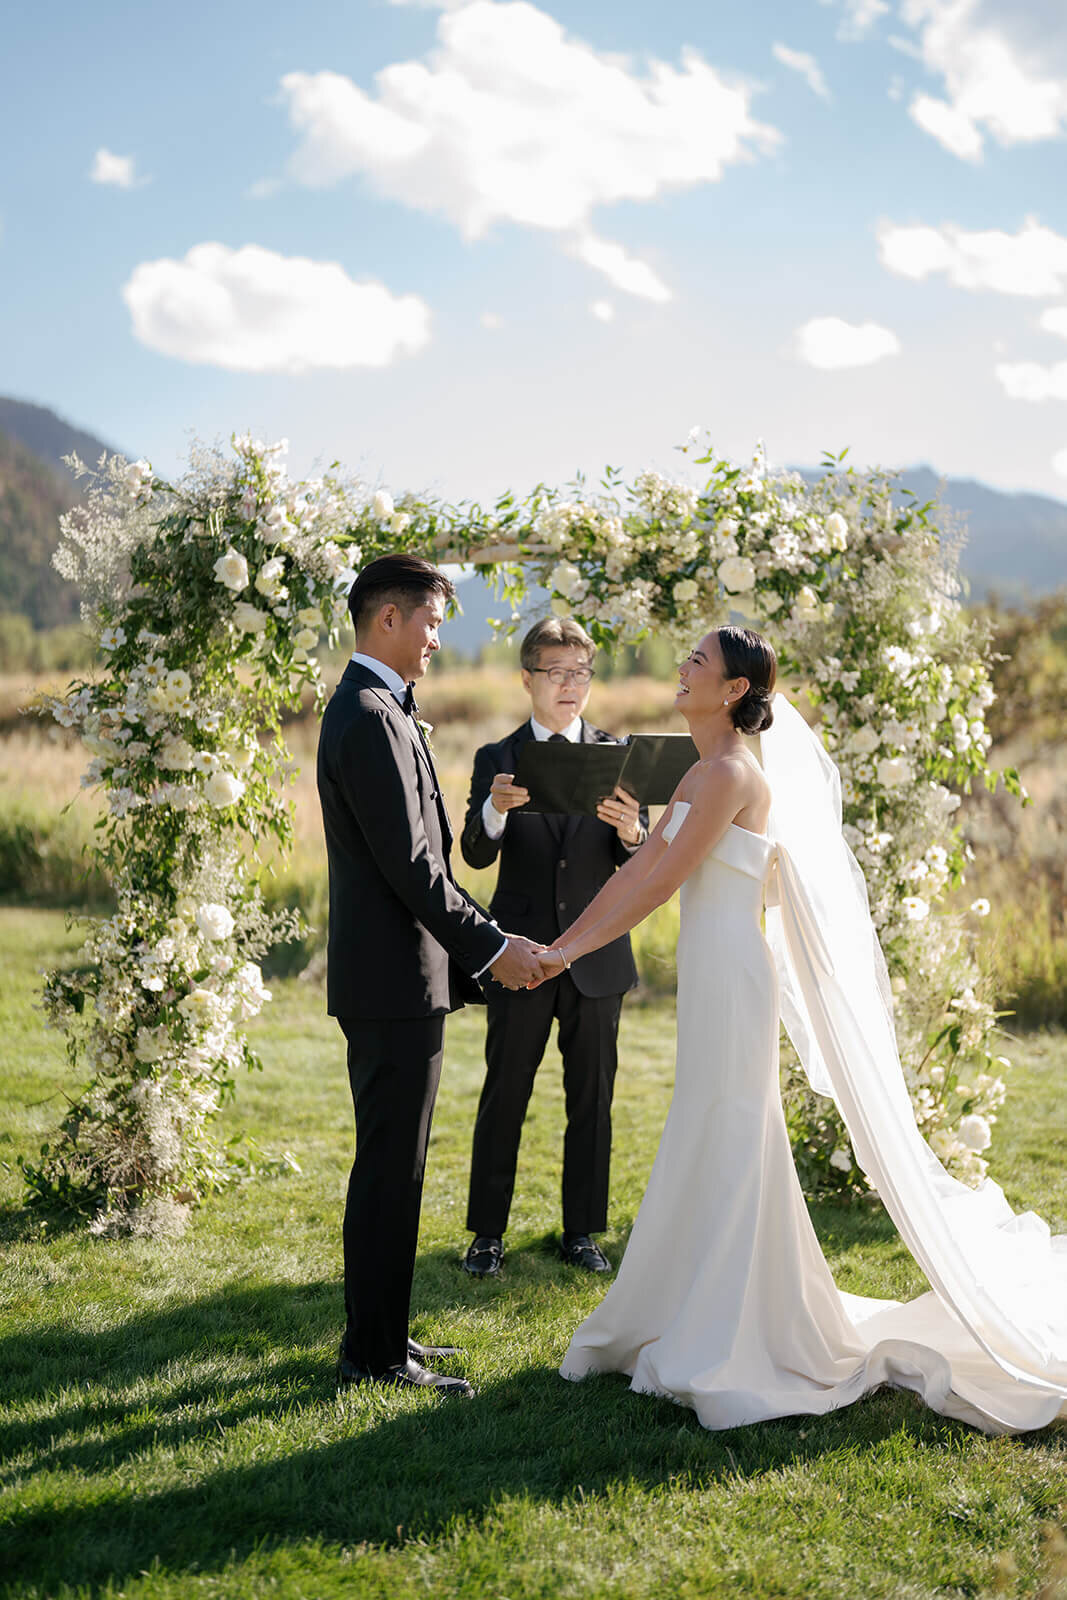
(484, 1257)
(578, 1250)
(410, 1375)
(432, 1352)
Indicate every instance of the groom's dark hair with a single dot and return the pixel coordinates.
(400, 580)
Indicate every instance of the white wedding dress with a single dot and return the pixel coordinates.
(724, 1300)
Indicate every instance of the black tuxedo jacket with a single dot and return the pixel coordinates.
(404, 938)
(550, 866)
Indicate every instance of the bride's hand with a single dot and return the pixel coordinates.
(552, 964)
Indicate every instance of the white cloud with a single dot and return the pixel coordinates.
(626, 273)
(1030, 262)
(1059, 463)
(858, 17)
(1004, 68)
(602, 310)
(806, 65)
(119, 171)
(831, 343)
(511, 119)
(949, 126)
(251, 310)
(489, 319)
(1054, 320)
(1029, 380)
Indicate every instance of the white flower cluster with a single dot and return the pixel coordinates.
(859, 597)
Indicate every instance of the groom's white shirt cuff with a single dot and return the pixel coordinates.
(396, 685)
(493, 821)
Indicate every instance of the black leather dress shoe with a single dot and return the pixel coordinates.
(409, 1375)
(432, 1352)
(578, 1250)
(484, 1257)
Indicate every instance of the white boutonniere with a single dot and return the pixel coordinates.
(425, 728)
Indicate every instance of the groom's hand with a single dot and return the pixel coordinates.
(550, 965)
(517, 965)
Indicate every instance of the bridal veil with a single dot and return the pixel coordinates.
(999, 1274)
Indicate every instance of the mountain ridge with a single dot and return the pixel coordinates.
(1015, 542)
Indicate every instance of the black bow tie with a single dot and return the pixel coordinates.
(558, 738)
(409, 703)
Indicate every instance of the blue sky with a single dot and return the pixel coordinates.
(468, 246)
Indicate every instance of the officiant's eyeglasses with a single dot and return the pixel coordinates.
(567, 674)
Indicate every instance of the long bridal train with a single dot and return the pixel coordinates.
(724, 1300)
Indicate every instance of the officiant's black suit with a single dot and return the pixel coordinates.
(404, 940)
(550, 869)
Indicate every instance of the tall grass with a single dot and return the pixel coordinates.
(1020, 855)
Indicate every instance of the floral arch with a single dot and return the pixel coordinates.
(210, 597)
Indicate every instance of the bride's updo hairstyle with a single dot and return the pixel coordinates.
(746, 654)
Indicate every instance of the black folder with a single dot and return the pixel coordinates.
(574, 778)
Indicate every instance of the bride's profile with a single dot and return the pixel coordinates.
(724, 1300)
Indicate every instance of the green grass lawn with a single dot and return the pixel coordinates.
(169, 1427)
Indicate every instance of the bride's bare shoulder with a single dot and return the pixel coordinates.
(735, 772)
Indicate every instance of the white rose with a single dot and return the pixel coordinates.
(836, 531)
(248, 619)
(269, 577)
(685, 591)
(560, 608)
(892, 771)
(306, 638)
(864, 741)
(975, 1132)
(232, 570)
(399, 522)
(737, 574)
(199, 1006)
(805, 606)
(564, 578)
(841, 1160)
(770, 603)
(214, 921)
(310, 616)
(223, 789)
(175, 755)
(383, 505)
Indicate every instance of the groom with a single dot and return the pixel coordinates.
(405, 947)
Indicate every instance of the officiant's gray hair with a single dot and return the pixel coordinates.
(552, 631)
(401, 580)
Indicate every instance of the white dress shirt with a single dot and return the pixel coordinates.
(392, 679)
(397, 687)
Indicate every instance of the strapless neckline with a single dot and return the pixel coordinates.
(687, 805)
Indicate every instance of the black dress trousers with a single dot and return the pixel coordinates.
(518, 1031)
(394, 1067)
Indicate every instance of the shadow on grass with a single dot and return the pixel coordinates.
(212, 1430)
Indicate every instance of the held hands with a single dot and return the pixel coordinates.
(621, 812)
(551, 963)
(505, 795)
(517, 966)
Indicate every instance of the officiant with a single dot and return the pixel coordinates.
(551, 866)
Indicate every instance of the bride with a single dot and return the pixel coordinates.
(724, 1300)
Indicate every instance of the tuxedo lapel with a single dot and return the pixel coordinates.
(361, 677)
